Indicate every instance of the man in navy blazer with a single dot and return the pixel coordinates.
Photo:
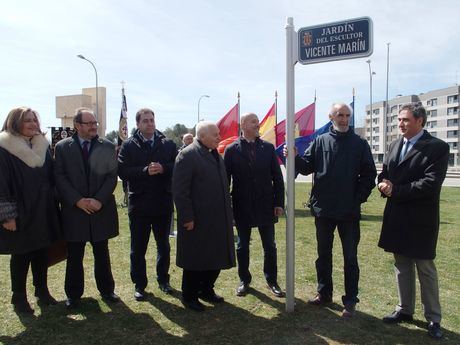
(413, 171)
(258, 199)
(146, 162)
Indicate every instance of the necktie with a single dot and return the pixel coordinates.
(252, 151)
(85, 150)
(404, 150)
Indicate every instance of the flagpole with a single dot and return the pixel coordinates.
(276, 107)
(239, 129)
(353, 110)
(314, 120)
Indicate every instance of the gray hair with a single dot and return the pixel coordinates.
(417, 110)
(339, 105)
(202, 128)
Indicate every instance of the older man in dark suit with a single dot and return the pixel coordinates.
(86, 176)
(258, 199)
(414, 169)
(204, 217)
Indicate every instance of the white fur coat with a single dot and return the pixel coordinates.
(34, 157)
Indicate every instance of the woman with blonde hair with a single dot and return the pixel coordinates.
(29, 221)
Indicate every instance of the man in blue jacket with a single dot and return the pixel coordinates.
(344, 175)
(146, 162)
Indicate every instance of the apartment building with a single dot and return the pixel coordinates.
(443, 122)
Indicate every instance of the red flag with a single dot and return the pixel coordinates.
(304, 124)
(224, 143)
(228, 125)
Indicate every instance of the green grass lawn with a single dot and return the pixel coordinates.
(258, 318)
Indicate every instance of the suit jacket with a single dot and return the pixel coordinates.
(148, 195)
(258, 184)
(411, 217)
(200, 191)
(97, 179)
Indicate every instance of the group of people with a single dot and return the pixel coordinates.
(71, 196)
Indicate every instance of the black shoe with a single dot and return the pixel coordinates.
(20, 303)
(23, 307)
(396, 317)
(193, 305)
(166, 288)
(211, 297)
(242, 290)
(110, 297)
(434, 330)
(46, 299)
(276, 290)
(348, 310)
(140, 295)
(320, 300)
(72, 303)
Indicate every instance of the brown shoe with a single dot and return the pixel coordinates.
(320, 300)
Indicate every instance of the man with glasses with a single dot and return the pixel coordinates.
(86, 176)
(344, 175)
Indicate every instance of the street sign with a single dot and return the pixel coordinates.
(348, 39)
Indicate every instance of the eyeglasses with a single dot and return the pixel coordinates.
(90, 123)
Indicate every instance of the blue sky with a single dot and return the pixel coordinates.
(171, 52)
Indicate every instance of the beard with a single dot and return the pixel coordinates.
(341, 129)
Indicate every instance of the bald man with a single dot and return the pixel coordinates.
(344, 175)
(258, 199)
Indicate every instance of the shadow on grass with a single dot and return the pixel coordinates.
(98, 323)
(89, 324)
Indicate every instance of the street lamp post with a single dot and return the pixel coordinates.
(371, 73)
(199, 100)
(97, 97)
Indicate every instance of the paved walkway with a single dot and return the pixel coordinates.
(448, 182)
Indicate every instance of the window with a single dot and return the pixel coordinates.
(376, 147)
(452, 134)
(432, 124)
(452, 111)
(452, 99)
(393, 118)
(394, 108)
(432, 102)
(432, 113)
(376, 111)
(452, 122)
(376, 138)
(376, 130)
(434, 134)
(368, 113)
(453, 146)
(375, 121)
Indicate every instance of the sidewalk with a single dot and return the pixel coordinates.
(452, 179)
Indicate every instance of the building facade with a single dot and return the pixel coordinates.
(66, 106)
(443, 120)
